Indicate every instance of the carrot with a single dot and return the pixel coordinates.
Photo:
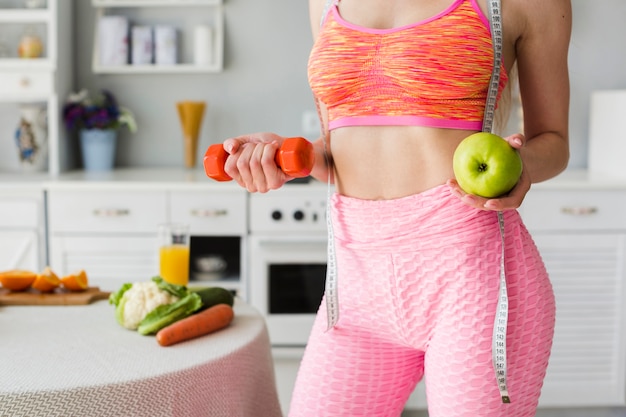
(199, 324)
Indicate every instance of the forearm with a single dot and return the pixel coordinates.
(323, 163)
(545, 156)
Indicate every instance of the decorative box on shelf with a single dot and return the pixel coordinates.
(198, 45)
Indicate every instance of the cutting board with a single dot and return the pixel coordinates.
(57, 298)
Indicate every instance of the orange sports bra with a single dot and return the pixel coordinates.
(432, 73)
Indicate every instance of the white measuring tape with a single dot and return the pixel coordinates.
(330, 288)
(498, 347)
(502, 310)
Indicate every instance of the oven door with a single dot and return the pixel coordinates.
(287, 275)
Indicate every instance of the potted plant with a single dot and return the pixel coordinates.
(98, 119)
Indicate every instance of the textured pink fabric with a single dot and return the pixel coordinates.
(418, 286)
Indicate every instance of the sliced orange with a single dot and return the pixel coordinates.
(17, 280)
(76, 282)
(47, 281)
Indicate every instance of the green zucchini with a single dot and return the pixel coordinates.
(213, 295)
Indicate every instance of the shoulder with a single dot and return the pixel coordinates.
(533, 20)
(316, 9)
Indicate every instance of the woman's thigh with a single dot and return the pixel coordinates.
(349, 371)
(460, 376)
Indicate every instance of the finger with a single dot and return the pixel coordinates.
(230, 166)
(232, 145)
(274, 175)
(516, 140)
(258, 181)
(513, 199)
(468, 199)
(242, 167)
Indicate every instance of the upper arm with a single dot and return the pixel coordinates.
(542, 52)
(316, 8)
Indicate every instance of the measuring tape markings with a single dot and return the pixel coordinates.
(498, 347)
(330, 286)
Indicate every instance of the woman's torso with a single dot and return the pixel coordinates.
(390, 161)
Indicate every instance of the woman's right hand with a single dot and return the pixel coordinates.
(251, 161)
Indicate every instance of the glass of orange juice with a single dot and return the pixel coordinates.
(174, 253)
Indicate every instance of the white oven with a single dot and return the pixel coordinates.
(287, 259)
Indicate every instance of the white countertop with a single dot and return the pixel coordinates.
(130, 178)
(180, 178)
(157, 178)
(583, 180)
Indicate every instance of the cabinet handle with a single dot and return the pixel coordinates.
(579, 211)
(111, 212)
(209, 213)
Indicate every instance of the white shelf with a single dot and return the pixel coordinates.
(216, 65)
(24, 15)
(154, 3)
(23, 98)
(157, 69)
(30, 64)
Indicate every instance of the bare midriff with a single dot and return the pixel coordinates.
(387, 162)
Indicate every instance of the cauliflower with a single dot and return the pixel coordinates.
(139, 300)
(149, 306)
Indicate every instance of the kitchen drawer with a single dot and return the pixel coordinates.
(574, 210)
(19, 213)
(129, 211)
(219, 213)
(26, 83)
(109, 260)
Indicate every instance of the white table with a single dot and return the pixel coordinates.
(77, 361)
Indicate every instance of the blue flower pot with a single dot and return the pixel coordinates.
(98, 149)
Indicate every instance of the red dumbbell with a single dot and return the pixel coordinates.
(295, 158)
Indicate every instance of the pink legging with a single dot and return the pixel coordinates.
(418, 287)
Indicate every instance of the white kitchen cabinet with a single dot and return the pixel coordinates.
(111, 233)
(98, 211)
(210, 213)
(167, 12)
(581, 235)
(44, 81)
(218, 224)
(108, 260)
(107, 224)
(22, 236)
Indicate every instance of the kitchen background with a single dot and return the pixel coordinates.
(263, 87)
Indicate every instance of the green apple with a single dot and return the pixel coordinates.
(486, 165)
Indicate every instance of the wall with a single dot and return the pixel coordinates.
(264, 84)
(597, 62)
(263, 87)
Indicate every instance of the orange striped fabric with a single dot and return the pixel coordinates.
(432, 73)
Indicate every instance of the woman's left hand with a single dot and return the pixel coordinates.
(512, 200)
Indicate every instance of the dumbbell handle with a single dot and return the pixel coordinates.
(295, 158)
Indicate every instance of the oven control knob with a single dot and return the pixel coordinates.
(298, 215)
(277, 215)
